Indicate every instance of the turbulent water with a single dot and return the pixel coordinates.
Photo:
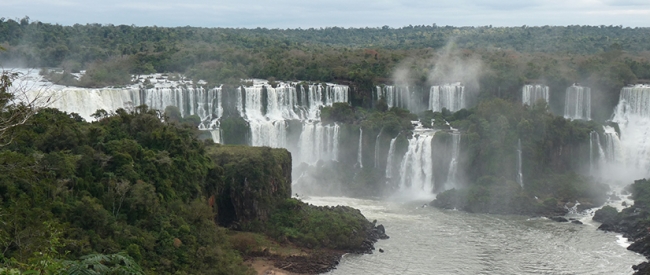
(433, 241)
(624, 156)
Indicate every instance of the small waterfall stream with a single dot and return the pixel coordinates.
(520, 175)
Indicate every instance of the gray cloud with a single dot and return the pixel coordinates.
(323, 13)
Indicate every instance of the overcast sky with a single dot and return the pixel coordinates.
(327, 13)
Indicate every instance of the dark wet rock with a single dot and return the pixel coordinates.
(608, 227)
(642, 268)
(381, 250)
(624, 204)
(606, 214)
(558, 219)
(576, 222)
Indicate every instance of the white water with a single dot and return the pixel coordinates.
(577, 103)
(389, 160)
(531, 93)
(520, 175)
(319, 142)
(377, 148)
(633, 117)
(452, 177)
(397, 96)
(432, 241)
(360, 151)
(416, 168)
(266, 109)
(449, 96)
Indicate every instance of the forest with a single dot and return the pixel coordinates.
(603, 57)
(138, 190)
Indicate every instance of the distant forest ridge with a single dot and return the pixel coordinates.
(502, 59)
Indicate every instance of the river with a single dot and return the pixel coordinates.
(426, 240)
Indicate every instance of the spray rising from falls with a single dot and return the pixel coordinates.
(577, 104)
(633, 117)
(449, 96)
(532, 93)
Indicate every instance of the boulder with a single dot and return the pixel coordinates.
(558, 219)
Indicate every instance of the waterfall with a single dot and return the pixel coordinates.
(377, 148)
(391, 156)
(520, 175)
(266, 109)
(449, 96)
(404, 97)
(416, 168)
(613, 150)
(216, 135)
(318, 142)
(531, 93)
(452, 178)
(360, 151)
(578, 103)
(633, 117)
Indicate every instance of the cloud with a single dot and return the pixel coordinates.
(324, 13)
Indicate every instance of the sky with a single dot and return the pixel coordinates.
(330, 13)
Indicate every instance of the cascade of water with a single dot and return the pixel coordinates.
(391, 156)
(633, 117)
(416, 168)
(531, 93)
(578, 103)
(449, 96)
(377, 148)
(216, 135)
(266, 109)
(360, 151)
(613, 149)
(520, 175)
(318, 142)
(452, 178)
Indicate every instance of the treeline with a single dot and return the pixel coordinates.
(605, 58)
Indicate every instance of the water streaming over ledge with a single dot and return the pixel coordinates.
(266, 109)
(449, 96)
(577, 103)
(532, 93)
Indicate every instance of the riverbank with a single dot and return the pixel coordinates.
(267, 256)
(633, 222)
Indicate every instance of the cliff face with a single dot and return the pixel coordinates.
(255, 180)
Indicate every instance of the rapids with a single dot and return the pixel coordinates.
(432, 241)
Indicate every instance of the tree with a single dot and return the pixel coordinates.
(17, 103)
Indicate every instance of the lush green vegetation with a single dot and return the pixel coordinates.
(602, 57)
(316, 227)
(128, 183)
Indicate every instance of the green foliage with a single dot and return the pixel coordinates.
(310, 226)
(129, 182)
(641, 193)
